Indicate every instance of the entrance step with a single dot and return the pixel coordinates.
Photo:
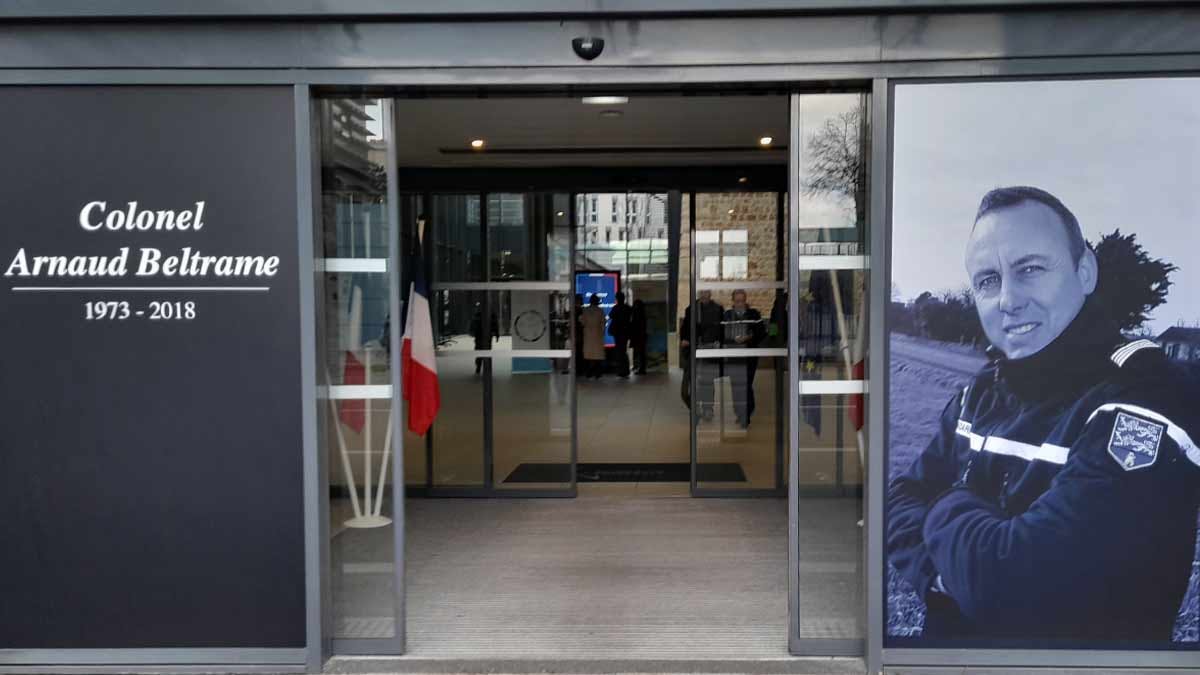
(369, 665)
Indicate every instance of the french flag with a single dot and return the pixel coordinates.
(420, 385)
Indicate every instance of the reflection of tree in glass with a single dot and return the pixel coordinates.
(836, 158)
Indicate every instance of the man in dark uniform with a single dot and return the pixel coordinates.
(1058, 500)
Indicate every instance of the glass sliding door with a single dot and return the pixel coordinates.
(502, 290)
(356, 429)
(830, 132)
(735, 335)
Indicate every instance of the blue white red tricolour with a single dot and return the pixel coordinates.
(420, 385)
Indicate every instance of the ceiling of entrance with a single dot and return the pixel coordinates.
(548, 132)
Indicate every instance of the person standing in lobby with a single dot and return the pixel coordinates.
(592, 321)
(620, 324)
(637, 336)
(744, 329)
(708, 336)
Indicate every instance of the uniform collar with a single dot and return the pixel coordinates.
(1079, 356)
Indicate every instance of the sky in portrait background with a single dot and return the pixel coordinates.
(1120, 153)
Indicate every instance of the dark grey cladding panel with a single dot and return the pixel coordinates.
(509, 43)
(861, 39)
(423, 8)
(988, 35)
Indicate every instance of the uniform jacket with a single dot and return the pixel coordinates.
(1058, 499)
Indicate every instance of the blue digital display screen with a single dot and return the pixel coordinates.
(604, 284)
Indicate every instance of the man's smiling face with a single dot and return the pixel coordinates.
(1027, 287)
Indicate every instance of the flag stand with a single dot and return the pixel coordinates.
(370, 514)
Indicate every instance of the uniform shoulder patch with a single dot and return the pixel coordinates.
(1125, 351)
(1134, 441)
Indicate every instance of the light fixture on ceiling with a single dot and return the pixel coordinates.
(765, 141)
(605, 100)
(611, 113)
(731, 212)
(743, 179)
(477, 144)
(560, 214)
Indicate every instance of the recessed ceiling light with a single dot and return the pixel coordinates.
(765, 140)
(611, 113)
(605, 100)
(560, 214)
(743, 179)
(477, 143)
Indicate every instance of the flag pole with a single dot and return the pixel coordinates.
(845, 349)
(367, 451)
(387, 444)
(344, 453)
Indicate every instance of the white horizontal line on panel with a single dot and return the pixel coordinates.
(352, 264)
(484, 353)
(734, 285)
(156, 289)
(502, 286)
(832, 387)
(833, 262)
(738, 353)
(339, 392)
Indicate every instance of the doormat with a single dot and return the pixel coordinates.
(727, 472)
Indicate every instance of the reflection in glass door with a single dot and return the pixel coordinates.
(831, 132)
(354, 251)
(735, 330)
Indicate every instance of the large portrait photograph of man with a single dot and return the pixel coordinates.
(1044, 365)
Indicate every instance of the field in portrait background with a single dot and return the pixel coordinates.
(1122, 154)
